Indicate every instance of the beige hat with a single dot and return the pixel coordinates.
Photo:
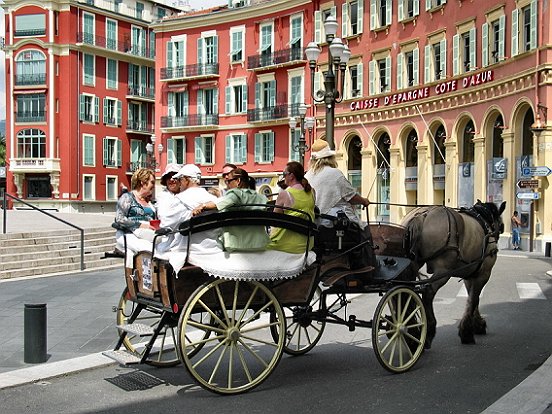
(189, 170)
(170, 168)
(321, 149)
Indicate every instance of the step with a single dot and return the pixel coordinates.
(39, 260)
(123, 357)
(39, 234)
(41, 239)
(50, 249)
(139, 329)
(100, 264)
(25, 254)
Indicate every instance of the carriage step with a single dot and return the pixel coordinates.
(139, 329)
(123, 357)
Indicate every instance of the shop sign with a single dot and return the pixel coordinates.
(209, 182)
(500, 168)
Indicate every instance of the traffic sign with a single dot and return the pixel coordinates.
(536, 171)
(528, 196)
(528, 184)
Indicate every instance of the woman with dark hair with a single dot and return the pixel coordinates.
(298, 195)
(238, 195)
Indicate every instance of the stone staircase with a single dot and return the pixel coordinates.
(56, 251)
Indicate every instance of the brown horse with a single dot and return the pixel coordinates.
(460, 243)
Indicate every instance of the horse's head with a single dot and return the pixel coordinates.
(494, 216)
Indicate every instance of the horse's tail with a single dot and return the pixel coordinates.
(413, 233)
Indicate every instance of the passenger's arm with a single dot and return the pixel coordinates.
(358, 199)
(202, 207)
(284, 199)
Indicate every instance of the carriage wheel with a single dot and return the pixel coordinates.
(239, 353)
(302, 331)
(399, 329)
(164, 353)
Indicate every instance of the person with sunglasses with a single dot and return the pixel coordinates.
(298, 195)
(169, 208)
(239, 195)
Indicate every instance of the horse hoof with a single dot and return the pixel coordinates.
(467, 341)
(427, 345)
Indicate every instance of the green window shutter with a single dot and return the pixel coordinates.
(215, 47)
(473, 52)
(170, 104)
(271, 146)
(272, 88)
(318, 26)
(119, 145)
(88, 150)
(400, 75)
(215, 101)
(372, 77)
(169, 54)
(258, 138)
(228, 99)
(96, 109)
(82, 106)
(243, 148)
(170, 151)
(130, 77)
(360, 16)
(501, 37)
(258, 96)
(228, 148)
(485, 45)
(388, 73)
(360, 77)
(416, 64)
(105, 114)
(416, 7)
(200, 108)
(244, 98)
(374, 15)
(198, 151)
(119, 113)
(443, 67)
(135, 151)
(200, 51)
(515, 32)
(428, 4)
(388, 12)
(455, 55)
(105, 151)
(185, 103)
(533, 30)
(427, 64)
(345, 20)
(401, 10)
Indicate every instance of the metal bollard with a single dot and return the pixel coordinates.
(547, 249)
(35, 333)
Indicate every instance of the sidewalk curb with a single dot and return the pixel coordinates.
(532, 396)
(52, 370)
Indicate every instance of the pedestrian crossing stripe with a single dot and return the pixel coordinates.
(530, 291)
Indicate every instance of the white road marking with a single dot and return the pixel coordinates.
(530, 291)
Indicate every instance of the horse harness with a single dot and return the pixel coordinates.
(485, 219)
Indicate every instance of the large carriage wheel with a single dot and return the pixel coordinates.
(399, 329)
(164, 353)
(237, 350)
(302, 331)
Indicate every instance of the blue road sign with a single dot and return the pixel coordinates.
(536, 171)
(528, 196)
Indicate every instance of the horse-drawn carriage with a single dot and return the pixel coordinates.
(229, 321)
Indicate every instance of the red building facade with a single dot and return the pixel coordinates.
(80, 99)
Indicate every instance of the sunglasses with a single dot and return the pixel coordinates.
(285, 173)
(224, 175)
(229, 180)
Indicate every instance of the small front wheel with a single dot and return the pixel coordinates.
(399, 329)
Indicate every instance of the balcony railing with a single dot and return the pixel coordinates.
(188, 71)
(189, 120)
(34, 164)
(277, 58)
(268, 114)
(30, 79)
(29, 32)
(123, 46)
(140, 126)
(121, 8)
(30, 116)
(141, 91)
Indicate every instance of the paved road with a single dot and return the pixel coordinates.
(341, 374)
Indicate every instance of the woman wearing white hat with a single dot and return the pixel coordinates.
(169, 208)
(333, 191)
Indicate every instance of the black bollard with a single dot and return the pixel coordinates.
(547, 249)
(35, 333)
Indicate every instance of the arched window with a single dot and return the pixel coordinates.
(498, 150)
(355, 158)
(31, 143)
(527, 134)
(30, 68)
(411, 152)
(468, 147)
(439, 150)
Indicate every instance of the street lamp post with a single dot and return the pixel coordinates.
(338, 56)
(305, 123)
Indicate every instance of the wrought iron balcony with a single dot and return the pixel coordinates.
(123, 46)
(279, 57)
(120, 7)
(268, 114)
(189, 71)
(135, 165)
(140, 126)
(29, 32)
(141, 91)
(30, 116)
(188, 120)
(30, 79)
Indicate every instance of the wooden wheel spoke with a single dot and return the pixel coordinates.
(213, 314)
(222, 305)
(217, 365)
(405, 307)
(244, 364)
(248, 304)
(257, 313)
(253, 353)
(211, 352)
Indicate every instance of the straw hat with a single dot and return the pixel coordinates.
(321, 149)
(170, 168)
